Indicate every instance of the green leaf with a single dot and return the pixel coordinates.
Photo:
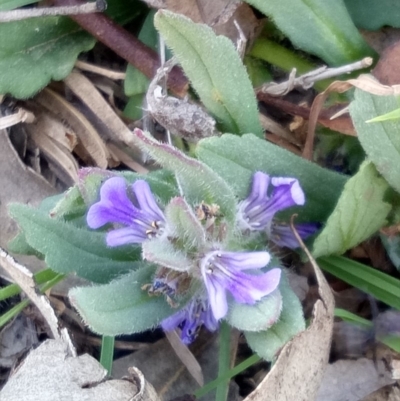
(392, 246)
(372, 14)
(236, 159)
(381, 140)
(392, 115)
(258, 317)
(320, 27)
(291, 321)
(184, 225)
(215, 70)
(380, 285)
(6, 5)
(70, 249)
(35, 51)
(198, 181)
(121, 307)
(359, 213)
(163, 253)
(352, 318)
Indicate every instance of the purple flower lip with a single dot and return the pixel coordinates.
(190, 319)
(257, 211)
(223, 271)
(140, 215)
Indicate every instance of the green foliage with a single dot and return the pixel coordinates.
(70, 249)
(215, 70)
(6, 5)
(380, 140)
(236, 159)
(267, 343)
(320, 27)
(121, 306)
(258, 317)
(372, 14)
(380, 285)
(198, 181)
(392, 246)
(359, 213)
(35, 51)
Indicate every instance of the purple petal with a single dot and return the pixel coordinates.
(114, 205)
(259, 187)
(282, 235)
(249, 289)
(146, 200)
(172, 322)
(244, 260)
(126, 235)
(216, 296)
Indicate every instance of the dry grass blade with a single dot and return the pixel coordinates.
(114, 75)
(21, 116)
(90, 148)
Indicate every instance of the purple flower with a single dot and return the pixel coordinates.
(223, 271)
(138, 212)
(190, 319)
(257, 211)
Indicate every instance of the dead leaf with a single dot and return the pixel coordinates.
(50, 373)
(347, 380)
(387, 69)
(298, 371)
(91, 148)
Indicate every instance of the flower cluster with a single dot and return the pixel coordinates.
(217, 273)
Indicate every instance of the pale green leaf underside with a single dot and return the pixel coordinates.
(320, 27)
(215, 70)
(69, 249)
(291, 321)
(360, 212)
(6, 5)
(121, 307)
(236, 159)
(35, 51)
(380, 140)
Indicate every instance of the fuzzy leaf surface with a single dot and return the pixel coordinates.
(185, 225)
(215, 70)
(373, 15)
(236, 159)
(121, 307)
(320, 27)
(258, 317)
(359, 213)
(198, 181)
(291, 321)
(69, 249)
(380, 140)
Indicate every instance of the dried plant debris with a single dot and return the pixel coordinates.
(184, 119)
(50, 373)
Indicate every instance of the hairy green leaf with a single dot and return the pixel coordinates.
(291, 321)
(70, 249)
(360, 212)
(198, 181)
(236, 159)
(380, 140)
(6, 5)
(320, 27)
(121, 307)
(215, 70)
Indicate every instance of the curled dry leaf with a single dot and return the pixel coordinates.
(298, 371)
(24, 278)
(90, 148)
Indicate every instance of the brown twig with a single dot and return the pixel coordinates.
(126, 46)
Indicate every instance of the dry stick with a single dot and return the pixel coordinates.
(86, 8)
(126, 46)
(307, 80)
